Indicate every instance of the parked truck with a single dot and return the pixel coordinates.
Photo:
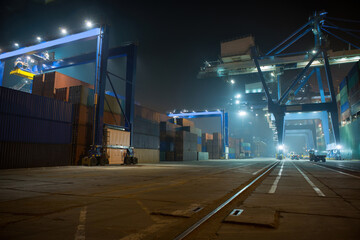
(317, 156)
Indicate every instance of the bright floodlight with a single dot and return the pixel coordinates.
(237, 102)
(238, 95)
(88, 24)
(281, 147)
(232, 81)
(242, 113)
(16, 44)
(338, 147)
(63, 31)
(38, 39)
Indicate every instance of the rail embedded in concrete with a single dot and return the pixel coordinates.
(212, 213)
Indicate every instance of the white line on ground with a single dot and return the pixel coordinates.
(338, 171)
(316, 189)
(80, 232)
(274, 186)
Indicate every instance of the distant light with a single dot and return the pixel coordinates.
(238, 95)
(232, 81)
(314, 51)
(63, 31)
(338, 147)
(88, 24)
(38, 39)
(237, 102)
(281, 147)
(16, 45)
(256, 114)
(242, 113)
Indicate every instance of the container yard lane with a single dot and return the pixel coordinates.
(210, 199)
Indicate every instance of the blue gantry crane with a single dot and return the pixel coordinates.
(308, 63)
(213, 113)
(45, 63)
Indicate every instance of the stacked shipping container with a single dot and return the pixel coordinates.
(146, 139)
(35, 131)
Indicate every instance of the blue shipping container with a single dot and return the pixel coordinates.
(34, 119)
(345, 107)
(342, 84)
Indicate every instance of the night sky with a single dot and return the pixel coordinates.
(174, 37)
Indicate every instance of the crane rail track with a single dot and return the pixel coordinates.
(256, 180)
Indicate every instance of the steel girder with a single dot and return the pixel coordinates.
(278, 109)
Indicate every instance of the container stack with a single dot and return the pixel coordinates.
(83, 100)
(146, 139)
(81, 95)
(259, 149)
(167, 141)
(47, 84)
(344, 101)
(204, 138)
(235, 148)
(35, 131)
(354, 89)
(185, 145)
(246, 149)
(217, 146)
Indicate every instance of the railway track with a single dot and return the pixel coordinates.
(209, 218)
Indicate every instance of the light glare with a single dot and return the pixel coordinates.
(242, 113)
(63, 31)
(88, 24)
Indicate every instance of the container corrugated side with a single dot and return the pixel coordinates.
(25, 104)
(147, 155)
(30, 118)
(26, 155)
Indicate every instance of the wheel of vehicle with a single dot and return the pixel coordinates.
(93, 161)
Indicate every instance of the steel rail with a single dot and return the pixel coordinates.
(208, 216)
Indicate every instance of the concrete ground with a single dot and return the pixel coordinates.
(297, 200)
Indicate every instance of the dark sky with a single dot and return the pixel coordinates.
(175, 37)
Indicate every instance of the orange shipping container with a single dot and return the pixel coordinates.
(114, 137)
(116, 156)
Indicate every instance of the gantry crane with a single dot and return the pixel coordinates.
(276, 61)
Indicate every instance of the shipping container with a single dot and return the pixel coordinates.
(182, 122)
(28, 155)
(147, 155)
(146, 141)
(29, 118)
(115, 137)
(116, 155)
(147, 127)
(185, 155)
(202, 156)
(45, 84)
